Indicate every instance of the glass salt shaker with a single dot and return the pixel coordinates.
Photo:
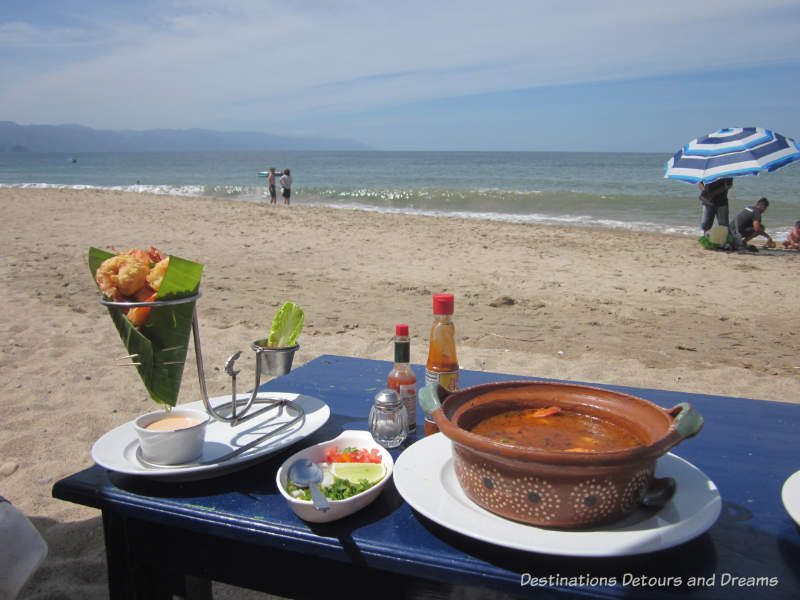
(388, 419)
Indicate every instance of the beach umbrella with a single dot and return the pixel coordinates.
(732, 152)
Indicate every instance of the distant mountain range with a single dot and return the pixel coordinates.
(77, 138)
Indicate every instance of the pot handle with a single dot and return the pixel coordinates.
(430, 398)
(659, 492)
(687, 421)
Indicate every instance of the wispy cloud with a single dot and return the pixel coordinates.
(268, 65)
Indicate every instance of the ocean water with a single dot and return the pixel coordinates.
(609, 190)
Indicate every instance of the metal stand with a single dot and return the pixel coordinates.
(269, 361)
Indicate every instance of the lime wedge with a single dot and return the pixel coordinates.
(355, 472)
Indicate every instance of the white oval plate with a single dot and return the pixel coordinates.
(790, 494)
(117, 449)
(425, 478)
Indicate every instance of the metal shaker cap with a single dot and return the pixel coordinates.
(387, 399)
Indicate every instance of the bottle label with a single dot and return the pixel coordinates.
(408, 394)
(447, 379)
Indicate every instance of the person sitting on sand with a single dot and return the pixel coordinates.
(792, 241)
(714, 198)
(747, 225)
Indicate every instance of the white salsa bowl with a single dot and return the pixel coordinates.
(339, 508)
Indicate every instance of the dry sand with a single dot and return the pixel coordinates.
(571, 303)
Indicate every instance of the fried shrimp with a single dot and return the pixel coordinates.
(150, 256)
(138, 315)
(121, 275)
(133, 275)
(156, 275)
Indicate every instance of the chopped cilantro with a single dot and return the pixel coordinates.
(341, 489)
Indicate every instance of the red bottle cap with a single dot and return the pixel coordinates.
(401, 331)
(443, 304)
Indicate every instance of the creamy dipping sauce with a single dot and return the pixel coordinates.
(173, 423)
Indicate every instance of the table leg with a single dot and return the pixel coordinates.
(117, 560)
(132, 577)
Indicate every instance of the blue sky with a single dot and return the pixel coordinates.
(416, 75)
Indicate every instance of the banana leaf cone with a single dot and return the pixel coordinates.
(161, 344)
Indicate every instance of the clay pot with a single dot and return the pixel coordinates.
(554, 488)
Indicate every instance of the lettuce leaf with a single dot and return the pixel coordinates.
(286, 326)
(161, 344)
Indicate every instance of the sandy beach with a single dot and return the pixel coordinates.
(592, 305)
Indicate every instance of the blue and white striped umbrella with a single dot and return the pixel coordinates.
(732, 153)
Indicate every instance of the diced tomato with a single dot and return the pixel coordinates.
(360, 455)
(331, 454)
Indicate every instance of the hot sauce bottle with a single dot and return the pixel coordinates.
(442, 365)
(401, 378)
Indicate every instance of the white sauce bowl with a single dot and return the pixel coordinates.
(175, 447)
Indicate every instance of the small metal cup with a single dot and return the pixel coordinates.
(274, 361)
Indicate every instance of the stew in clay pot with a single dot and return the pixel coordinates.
(558, 454)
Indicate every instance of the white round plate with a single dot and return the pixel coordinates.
(425, 478)
(790, 494)
(117, 449)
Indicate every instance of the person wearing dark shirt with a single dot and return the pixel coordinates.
(714, 197)
(748, 224)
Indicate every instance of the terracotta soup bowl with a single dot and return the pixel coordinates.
(558, 488)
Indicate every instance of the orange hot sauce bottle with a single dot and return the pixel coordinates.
(401, 378)
(442, 365)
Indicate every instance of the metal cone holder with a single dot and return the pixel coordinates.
(271, 362)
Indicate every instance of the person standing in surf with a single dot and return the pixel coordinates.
(286, 186)
(271, 186)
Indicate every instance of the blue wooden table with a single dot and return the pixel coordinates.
(237, 528)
